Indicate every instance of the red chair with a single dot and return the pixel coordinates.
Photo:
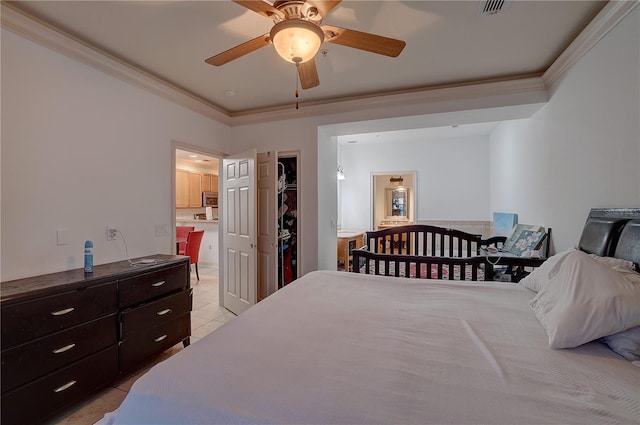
(192, 249)
(181, 233)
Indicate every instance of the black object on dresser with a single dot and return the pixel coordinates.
(68, 334)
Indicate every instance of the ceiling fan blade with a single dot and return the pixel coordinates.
(259, 6)
(324, 6)
(308, 74)
(363, 41)
(239, 50)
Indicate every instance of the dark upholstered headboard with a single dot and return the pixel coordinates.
(628, 247)
(603, 233)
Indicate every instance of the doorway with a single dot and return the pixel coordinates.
(195, 173)
(393, 199)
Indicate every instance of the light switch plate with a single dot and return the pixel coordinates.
(162, 230)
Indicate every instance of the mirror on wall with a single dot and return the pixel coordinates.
(398, 203)
(397, 200)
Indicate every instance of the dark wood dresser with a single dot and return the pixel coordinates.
(67, 334)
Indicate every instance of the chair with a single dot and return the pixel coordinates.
(181, 233)
(192, 249)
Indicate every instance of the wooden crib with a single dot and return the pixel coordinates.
(423, 251)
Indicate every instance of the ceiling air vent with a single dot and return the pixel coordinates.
(491, 7)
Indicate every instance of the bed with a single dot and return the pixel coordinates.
(347, 348)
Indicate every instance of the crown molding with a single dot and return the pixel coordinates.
(52, 38)
(610, 15)
(516, 90)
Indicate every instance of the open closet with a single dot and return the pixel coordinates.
(278, 220)
(287, 219)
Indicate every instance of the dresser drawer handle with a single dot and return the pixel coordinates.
(160, 338)
(65, 386)
(163, 312)
(63, 349)
(62, 312)
(158, 283)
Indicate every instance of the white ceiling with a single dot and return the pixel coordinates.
(447, 44)
(196, 160)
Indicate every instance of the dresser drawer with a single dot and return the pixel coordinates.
(151, 285)
(40, 399)
(25, 321)
(142, 346)
(148, 316)
(29, 361)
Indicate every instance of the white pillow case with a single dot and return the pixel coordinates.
(540, 276)
(625, 343)
(614, 262)
(586, 300)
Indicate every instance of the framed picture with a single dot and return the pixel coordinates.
(516, 234)
(527, 241)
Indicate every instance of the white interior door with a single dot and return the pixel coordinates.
(267, 225)
(239, 231)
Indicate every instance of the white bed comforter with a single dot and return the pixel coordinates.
(343, 348)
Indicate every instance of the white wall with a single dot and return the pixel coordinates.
(534, 175)
(82, 150)
(592, 118)
(293, 135)
(327, 203)
(452, 177)
(580, 151)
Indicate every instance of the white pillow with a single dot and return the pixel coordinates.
(540, 276)
(614, 262)
(626, 343)
(630, 275)
(586, 300)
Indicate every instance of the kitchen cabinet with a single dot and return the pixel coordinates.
(188, 189)
(182, 189)
(209, 183)
(66, 335)
(206, 182)
(195, 190)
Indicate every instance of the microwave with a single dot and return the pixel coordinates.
(210, 199)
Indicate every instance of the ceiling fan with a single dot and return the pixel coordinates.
(298, 34)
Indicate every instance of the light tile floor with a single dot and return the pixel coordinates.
(207, 316)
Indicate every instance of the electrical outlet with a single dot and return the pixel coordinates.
(112, 232)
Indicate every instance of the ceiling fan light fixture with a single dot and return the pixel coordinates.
(296, 40)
